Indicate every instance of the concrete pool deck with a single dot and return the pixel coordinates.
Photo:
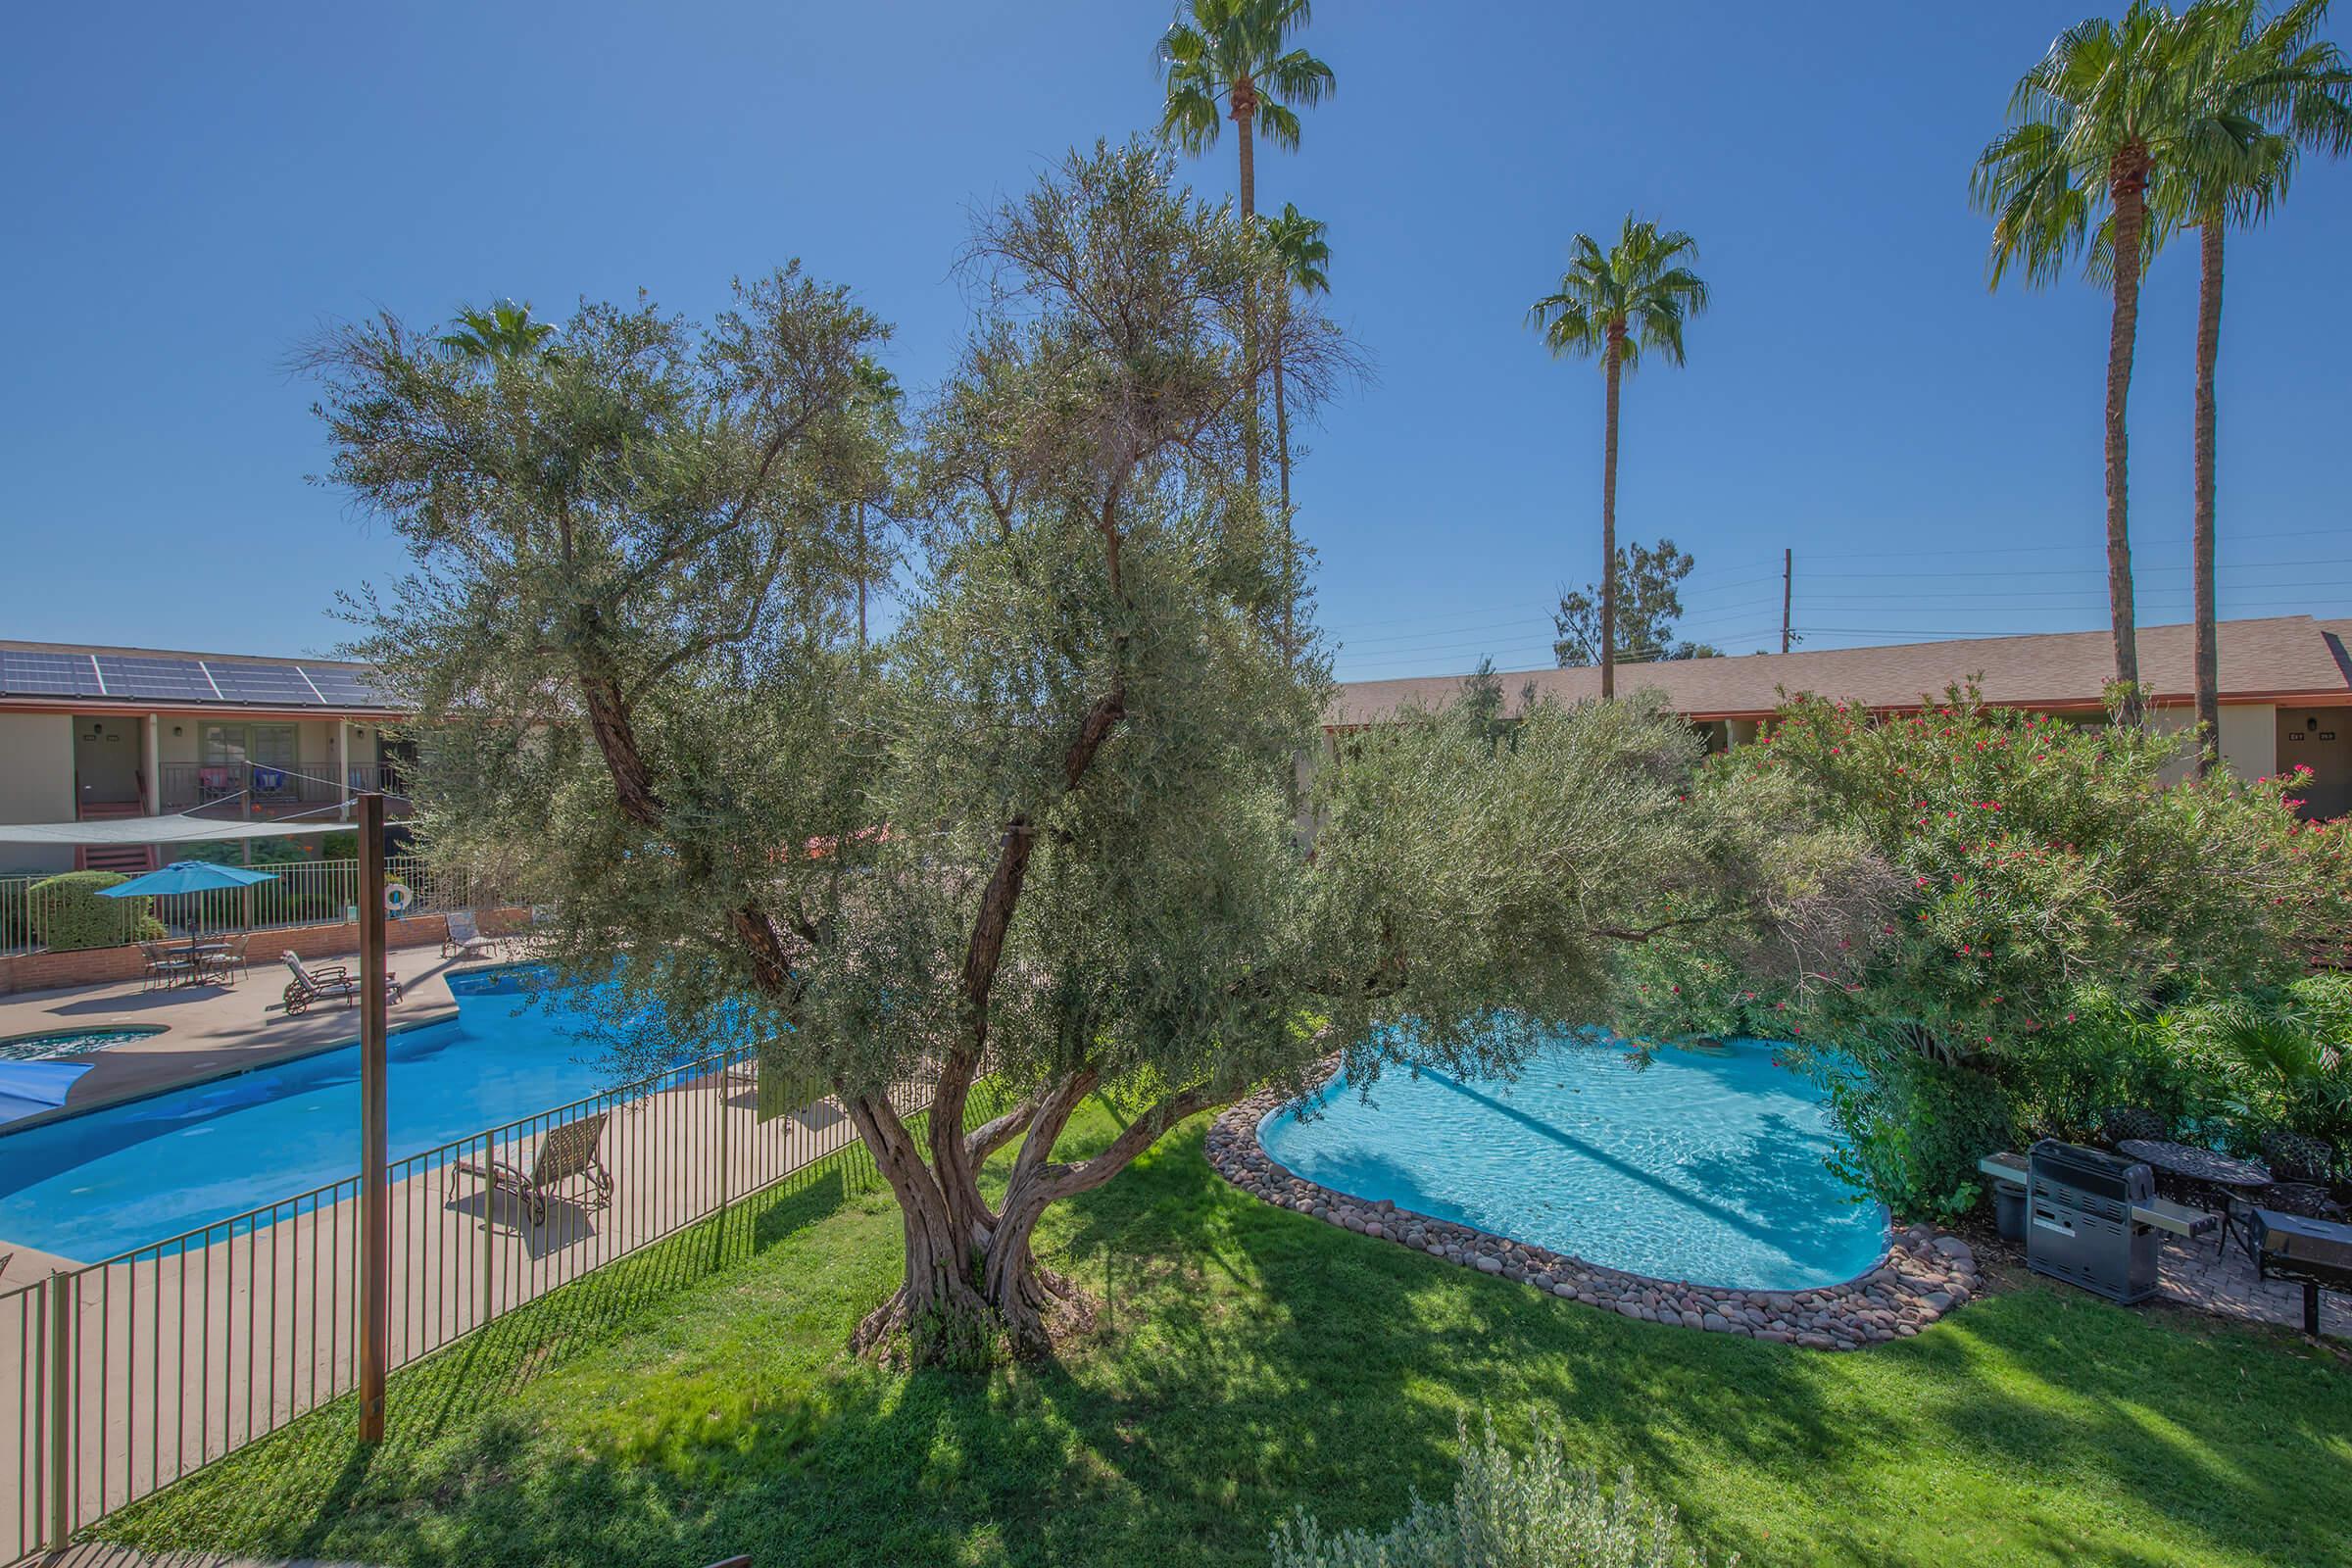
(206, 1031)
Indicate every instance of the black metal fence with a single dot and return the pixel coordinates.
(131, 1373)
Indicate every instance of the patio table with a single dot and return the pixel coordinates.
(2202, 1171)
(196, 953)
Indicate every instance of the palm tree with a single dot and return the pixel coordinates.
(1629, 300)
(2268, 88)
(1229, 60)
(2106, 107)
(1298, 243)
(875, 402)
(501, 331)
(1232, 60)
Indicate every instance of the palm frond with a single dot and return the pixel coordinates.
(1637, 291)
(1213, 44)
(1298, 242)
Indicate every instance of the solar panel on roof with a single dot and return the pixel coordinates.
(28, 674)
(278, 684)
(342, 688)
(155, 679)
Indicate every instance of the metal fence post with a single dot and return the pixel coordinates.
(61, 1408)
(489, 1235)
(720, 1251)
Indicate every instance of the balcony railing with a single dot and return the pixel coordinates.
(229, 786)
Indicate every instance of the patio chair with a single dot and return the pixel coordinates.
(2296, 1158)
(164, 968)
(2117, 1123)
(569, 1152)
(464, 936)
(231, 959)
(327, 981)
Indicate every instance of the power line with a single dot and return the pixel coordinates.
(1702, 581)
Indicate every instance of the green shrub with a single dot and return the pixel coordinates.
(2024, 907)
(71, 916)
(1915, 1129)
(1506, 1513)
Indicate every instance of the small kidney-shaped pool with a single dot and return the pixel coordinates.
(1704, 1165)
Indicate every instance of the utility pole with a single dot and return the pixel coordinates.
(376, 1207)
(1788, 583)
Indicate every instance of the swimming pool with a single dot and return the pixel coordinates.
(72, 1042)
(1704, 1165)
(89, 1186)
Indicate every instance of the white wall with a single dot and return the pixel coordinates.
(36, 784)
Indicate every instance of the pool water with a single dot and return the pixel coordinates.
(71, 1042)
(92, 1186)
(1703, 1165)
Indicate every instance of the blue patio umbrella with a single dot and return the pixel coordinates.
(186, 876)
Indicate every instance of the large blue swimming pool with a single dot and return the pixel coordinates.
(89, 1186)
(1701, 1165)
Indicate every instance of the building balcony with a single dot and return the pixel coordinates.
(257, 789)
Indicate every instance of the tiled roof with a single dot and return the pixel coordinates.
(2281, 657)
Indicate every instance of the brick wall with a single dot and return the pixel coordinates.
(47, 971)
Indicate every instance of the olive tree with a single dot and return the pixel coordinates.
(1048, 834)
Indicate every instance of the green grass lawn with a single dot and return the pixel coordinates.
(1255, 1360)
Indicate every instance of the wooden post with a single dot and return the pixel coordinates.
(375, 1197)
(1787, 584)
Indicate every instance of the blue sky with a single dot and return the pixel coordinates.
(191, 190)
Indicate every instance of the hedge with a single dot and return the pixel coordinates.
(71, 916)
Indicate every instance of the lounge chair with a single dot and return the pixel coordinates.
(567, 1152)
(326, 981)
(464, 936)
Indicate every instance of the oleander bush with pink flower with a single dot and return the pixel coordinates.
(2035, 880)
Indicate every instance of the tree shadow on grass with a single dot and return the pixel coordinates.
(1251, 1360)
(2020, 1394)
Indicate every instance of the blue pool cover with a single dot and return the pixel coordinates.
(26, 1086)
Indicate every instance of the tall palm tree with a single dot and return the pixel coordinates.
(1298, 244)
(1620, 304)
(2107, 106)
(875, 400)
(1233, 60)
(499, 331)
(2268, 88)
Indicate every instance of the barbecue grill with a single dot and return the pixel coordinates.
(2314, 1252)
(2092, 1217)
(2078, 1225)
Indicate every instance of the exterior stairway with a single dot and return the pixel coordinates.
(131, 860)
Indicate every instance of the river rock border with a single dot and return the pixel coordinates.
(1925, 1274)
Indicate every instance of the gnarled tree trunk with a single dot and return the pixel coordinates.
(974, 1283)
